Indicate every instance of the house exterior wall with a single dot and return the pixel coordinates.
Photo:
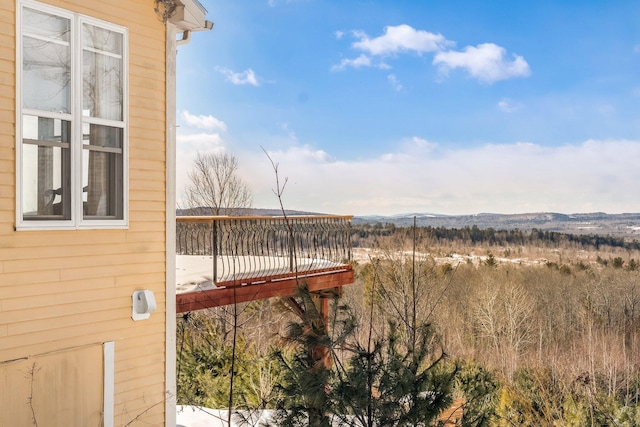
(63, 291)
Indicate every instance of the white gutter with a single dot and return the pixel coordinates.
(189, 15)
(186, 34)
(186, 38)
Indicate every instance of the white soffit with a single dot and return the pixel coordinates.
(189, 16)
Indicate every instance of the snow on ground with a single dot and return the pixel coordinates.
(194, 272)
(197, 416)
(364, 255)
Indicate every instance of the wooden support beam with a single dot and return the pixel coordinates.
(282, 287)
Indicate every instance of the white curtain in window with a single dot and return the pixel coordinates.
(103, 99)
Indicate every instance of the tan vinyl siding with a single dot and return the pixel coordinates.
(7, 119)
(67, 289)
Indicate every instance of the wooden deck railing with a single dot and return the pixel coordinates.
(249, 249)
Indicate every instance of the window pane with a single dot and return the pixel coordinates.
(102, 73)
(102, 173)
(101, 39)
(46, 25)
(46, 169)
(46, 62)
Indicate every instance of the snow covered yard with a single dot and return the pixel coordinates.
(197, 416)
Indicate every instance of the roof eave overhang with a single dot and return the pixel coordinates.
(190, 15)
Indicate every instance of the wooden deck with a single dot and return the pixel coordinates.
(262, 288)
(227, 260)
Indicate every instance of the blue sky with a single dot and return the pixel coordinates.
(448, 107)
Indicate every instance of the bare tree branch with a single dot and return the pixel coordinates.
(214, 185)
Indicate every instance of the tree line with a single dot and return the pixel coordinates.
(365, 235)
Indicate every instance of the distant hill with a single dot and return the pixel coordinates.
(626, 224)
(245, 212)
(621, 225)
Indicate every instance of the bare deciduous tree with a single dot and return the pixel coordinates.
(214, 185)
(214, 188)
(504, 314)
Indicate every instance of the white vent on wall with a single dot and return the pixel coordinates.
(143, 304)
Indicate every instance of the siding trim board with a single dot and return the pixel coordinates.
(170, 229)
(109, 384)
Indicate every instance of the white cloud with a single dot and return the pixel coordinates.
(394, 82)
(509, 106)
(197, 133)
(508, 178)
(187, 145)
(361, 61)
(305, 154)
(400, 38)
(199, 142)
(339, 34)
(423, 144)
(203, 122)
(485, 62)
(246, 77)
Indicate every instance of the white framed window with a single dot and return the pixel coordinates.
(72, 150)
